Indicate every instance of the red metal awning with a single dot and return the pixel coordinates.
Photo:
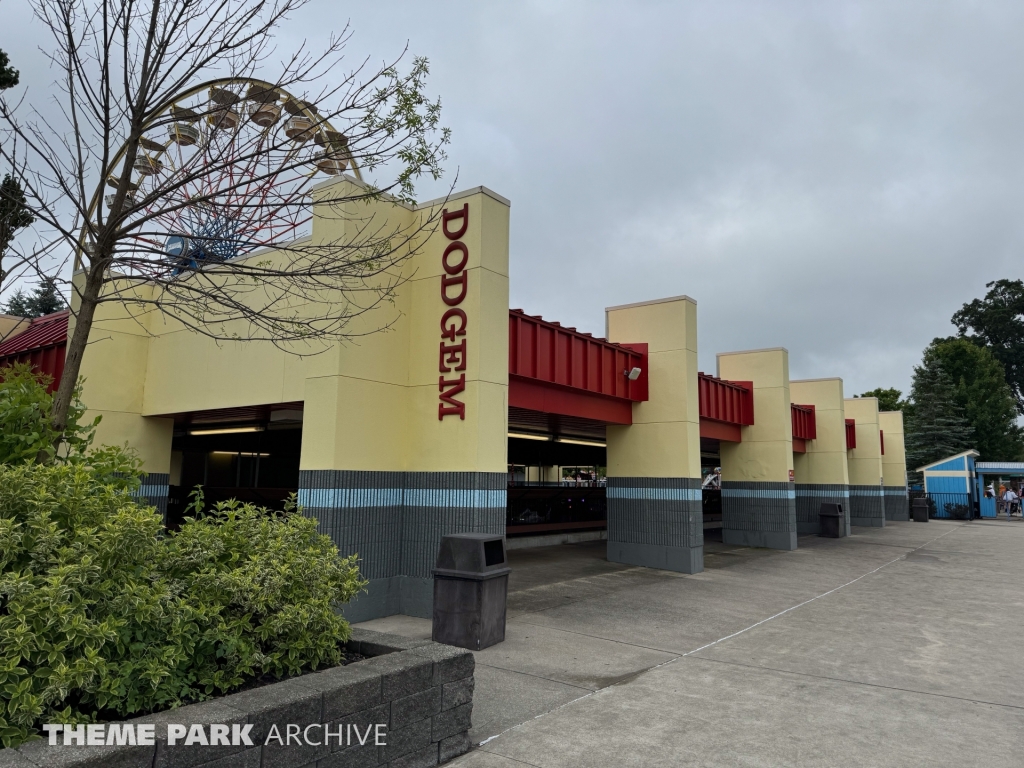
(724, 407)
(556, 369)
(805, 426)
(851, 434)
(42, 345)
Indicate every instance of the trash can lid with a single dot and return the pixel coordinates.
(475, 556)
(831, 510)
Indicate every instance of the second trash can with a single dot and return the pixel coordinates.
(920, 510)
(470, 590)
(831, 521)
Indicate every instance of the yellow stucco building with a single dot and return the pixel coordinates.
(467, 415)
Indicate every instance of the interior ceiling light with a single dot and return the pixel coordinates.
(239, 453)
(528, 436)
(574, 441)
(225, 430)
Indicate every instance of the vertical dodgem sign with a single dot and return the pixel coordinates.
(454, 284)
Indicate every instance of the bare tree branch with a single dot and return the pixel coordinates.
(184, 174)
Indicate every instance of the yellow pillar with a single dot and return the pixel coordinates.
(821, 473)
(894, 466)
(418, 449)
(655, 516)
(867, 502)
(758, 498)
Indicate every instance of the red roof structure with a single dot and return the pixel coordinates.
(42, 346)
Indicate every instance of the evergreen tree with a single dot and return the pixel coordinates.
(981, 390)
(44, 300)
(14, 212)
(936, 426)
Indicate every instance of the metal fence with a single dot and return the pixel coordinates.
(947, 506)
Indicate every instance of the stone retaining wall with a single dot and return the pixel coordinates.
(421, 691)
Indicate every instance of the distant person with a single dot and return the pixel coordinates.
(1010, 500)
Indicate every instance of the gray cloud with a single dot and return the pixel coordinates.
(836, 178)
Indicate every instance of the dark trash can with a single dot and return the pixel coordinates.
(470, 590)
(920, 510)
(831, 521)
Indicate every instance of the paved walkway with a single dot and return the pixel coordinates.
(900, 646)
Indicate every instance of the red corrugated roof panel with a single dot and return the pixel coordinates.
(42, 346)
(45, 331)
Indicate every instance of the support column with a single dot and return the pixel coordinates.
(407, 440)
(867, 500)
(655, 516)
(758, 498)
(894, 466)
(821, 473)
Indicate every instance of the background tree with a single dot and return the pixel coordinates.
(14, 214)
(8, 74)
(169, 155)
(935, 422)
(997, 322)
(888, 399)
(981, 392)
(44, 300)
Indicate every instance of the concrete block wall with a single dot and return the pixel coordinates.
(658, 522)
(422, 692)
(395, 521)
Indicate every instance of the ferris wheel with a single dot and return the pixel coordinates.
(222, 170)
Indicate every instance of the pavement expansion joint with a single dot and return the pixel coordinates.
(856, 682)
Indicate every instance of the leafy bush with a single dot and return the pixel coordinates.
(101, 615)
(25, 428)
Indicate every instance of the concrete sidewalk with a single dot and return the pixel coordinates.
(898, 646)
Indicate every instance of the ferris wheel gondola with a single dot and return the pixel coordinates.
(225, 169)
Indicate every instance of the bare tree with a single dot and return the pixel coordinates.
(183, 174)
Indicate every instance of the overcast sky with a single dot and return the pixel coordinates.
(834, 178)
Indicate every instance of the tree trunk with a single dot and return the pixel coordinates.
(74, 353)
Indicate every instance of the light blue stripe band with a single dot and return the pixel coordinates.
(655, 494)
(867, 493)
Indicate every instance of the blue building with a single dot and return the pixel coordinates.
(952, 484)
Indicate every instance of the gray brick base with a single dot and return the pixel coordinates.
(897, 505)
(759, 514)
(154, 490)
(810, 497)
(394, 521)
(867, 506)
(656, 522)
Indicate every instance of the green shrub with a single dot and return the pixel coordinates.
(25, 428)
(102, 616)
